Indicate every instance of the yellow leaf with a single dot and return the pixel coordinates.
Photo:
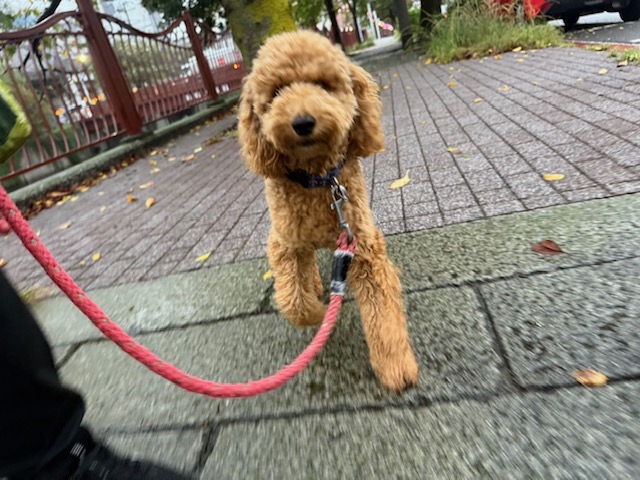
(552, 177)
(213, 155)
(150, 202)
(171, 159)
(153, 152)
(103, 208)
(579, 80)
(131, 198)
(517, 49)
(408, 88)
(146, 185)
(602, 71)
(423, 122)
(401, 182)
(188, 158)
(590, 378)
(452, 84)
(428, 62)
(267, 275)
(96, 256)
(155, 170)
(497, 57)
(204, 258)
(451, 68)
(453, 150)
(64, 226)
(152, 162)
(534, 83)
(623, 63)
(504, 88)
(82, 263)
(73, 199)
(520, 60)
(3, 262)
(385, 87)
(477, 100)
(100, 194)
(197, 150)
(83, 188)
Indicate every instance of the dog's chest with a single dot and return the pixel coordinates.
(302, 216)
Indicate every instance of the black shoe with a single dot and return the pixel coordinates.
(88, 460)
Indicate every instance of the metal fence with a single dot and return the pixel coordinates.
(85, 77)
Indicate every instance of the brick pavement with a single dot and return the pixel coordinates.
(547, 111)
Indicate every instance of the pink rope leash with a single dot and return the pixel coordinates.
(154, 363)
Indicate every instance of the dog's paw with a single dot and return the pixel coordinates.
(398, 373)
(309, 317)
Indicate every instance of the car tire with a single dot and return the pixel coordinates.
(570, 19)
(632, 12)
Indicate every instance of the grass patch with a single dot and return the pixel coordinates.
(471, 30)
(631, 55)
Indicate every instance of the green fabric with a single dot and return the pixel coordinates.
(14, 126)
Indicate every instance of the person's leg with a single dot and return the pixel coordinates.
(39, 417)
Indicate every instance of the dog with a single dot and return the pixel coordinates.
(307, 112)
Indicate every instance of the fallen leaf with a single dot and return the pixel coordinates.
(213, 155)
(96, 256)
(3, 262)
(171, 159)
(100, 194)
(517, 49)
(103, 208)
(452, 84)
(197, 150)
(73, 199)
(188, 158)
(546, 247)
(385, 87)
(204, 258)
(152, 162)
(82, 263)
(394, 75)
(153, 152)
(579, 80)
(131, 198)
(401, 182)
(552, 177)
(408, 88)
(504, 88)
(428, 62)
(534, 83)
(64, 226)
(83, 188)
(146, 185)
(590, 378)
(602, 71)
(453, 150)
(423, 122)
(267, 275)
(623, 63)
(150, 202)
(477, 100)
(497, 57)
(451, 68)
(520, 60)
(155, 170)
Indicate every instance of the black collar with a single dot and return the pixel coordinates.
(308, 180)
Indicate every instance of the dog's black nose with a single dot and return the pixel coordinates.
(303, 125)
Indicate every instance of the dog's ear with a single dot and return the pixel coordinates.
(259, 154)
(366, 133)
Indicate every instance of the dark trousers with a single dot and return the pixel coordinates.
(39, 417)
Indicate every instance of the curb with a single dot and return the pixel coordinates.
(25, 196)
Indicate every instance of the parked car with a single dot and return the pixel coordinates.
(571, 10)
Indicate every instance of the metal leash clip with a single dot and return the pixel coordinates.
(340, 197)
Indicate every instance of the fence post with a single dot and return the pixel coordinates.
(203, 65)
(109, 70)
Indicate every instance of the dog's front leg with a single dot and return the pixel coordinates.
(297, 282)
(376, 286)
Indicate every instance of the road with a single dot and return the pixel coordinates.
(604, 27)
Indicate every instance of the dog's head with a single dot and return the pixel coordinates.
(304, 105)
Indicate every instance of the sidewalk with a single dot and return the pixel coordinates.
(497, 329)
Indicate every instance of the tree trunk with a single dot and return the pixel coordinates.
(334, 22)
(353, 8)
(253, 21)
(405, 23)
(428, 8)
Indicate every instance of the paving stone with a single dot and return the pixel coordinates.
(559, 322)
(423, 222)
(510, 165)
(527, 185)
(170, 301)
(176, 450)
(455, 197)
(454, 349)
(571, 434)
